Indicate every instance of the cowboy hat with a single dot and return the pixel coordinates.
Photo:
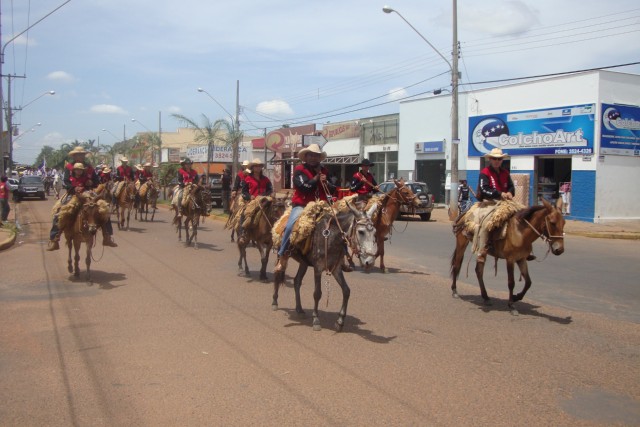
(124, 159)
(139, 167)
(147, 165)
(313, 148)
(106, 170)
(78, 166)
(77, 150)
(366, 162)
(496, 153)
(256, 162)
(186, 161)
(245, 163)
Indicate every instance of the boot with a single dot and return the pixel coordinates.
(107, 240)
(531, 257)
(54, 245)
(281, 265)
(482, 256)
(346, 266)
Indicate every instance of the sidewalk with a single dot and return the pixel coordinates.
(615, 230)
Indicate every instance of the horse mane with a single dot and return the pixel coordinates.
(526, 213)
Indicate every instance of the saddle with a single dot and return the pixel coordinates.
(303, 228)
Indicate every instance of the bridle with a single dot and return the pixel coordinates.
(350, 238)
(545, 234)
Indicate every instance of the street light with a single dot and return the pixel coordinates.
(235, 123)
(107, 130)
(51, 92)
(453, 66)
(33, 129)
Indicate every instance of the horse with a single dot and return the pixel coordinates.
(330, 237)
(47, 181)
(196, 206)
(92, 215)
(57, 185)
(387, 212)
(148, 198)
(104, 190)
(234, 209)
(526, 226)
(124, 203)
(269, 210)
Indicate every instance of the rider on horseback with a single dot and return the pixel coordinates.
(124, 174)
(78, 177)
(186, 177)
(309, 178)
(255, 184)
(143, 175)
(363, 183)
(105, 175)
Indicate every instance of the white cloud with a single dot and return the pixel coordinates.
(108, 109)
(506, 17)
(276, 107)
(396, 93)
(60, 76)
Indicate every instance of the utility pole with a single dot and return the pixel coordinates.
(455, 139)
(235, 152)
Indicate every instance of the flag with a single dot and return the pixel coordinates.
(43, 169)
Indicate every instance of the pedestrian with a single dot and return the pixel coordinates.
(226, 189)
(4, 200)
(464, 199)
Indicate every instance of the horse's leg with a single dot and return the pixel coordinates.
(483, 290)
(242, 249)
(69, 264)
(317, 295)
(128, 216)
(278, 280)
(89, 244)
(456, 261)
(381, 254)
(194, 232)
(264, 257)
(76, 258)
(524, 272)
(297, 283)
(346, 292)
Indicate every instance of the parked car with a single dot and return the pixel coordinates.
(29, 186)
(12, 184)
(421, 190)
(215, 186)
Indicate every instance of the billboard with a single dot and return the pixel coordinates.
(220, 154)
(288, 139)
(620, 130)
(561, 131)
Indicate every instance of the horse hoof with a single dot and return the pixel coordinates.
(317, 327)
(515, 312)
(455, 294)
(339, 327)
(274, 307)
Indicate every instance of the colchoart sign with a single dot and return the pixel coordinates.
(562, 131)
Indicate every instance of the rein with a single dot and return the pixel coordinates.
(547, 238)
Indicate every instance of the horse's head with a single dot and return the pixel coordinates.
(553, 226)
(277, 207)
(89, 212)
(364, 236)
(403, 194)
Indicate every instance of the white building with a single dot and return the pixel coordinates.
(575, 137)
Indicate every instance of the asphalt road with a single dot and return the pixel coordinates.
(166, 335)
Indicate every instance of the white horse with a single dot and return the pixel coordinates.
(57, 185)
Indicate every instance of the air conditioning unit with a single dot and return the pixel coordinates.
(419, 147)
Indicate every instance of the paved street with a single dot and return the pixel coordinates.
(169, 335)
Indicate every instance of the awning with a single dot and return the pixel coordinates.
(342, 151)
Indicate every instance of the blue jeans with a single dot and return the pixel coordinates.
(293, 216)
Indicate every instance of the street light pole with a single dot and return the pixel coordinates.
(453, 66)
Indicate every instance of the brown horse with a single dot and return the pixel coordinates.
(93, 213)
(196, 206)
(525, 227)
(104, 190)
(388, 209)
(148, 197)
(124, 203)
(268, 210)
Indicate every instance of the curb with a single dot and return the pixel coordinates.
(606, 235)
(7, 242)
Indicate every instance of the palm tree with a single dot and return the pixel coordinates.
(209, 133)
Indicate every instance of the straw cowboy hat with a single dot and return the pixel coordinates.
(256, 162)
(496, 153)
(124, 159)
(106, 170)
(313, 148)
(366, 162)
(77, 150)
(78, 166)
(139, 167)
(147, 165)
(245, 163)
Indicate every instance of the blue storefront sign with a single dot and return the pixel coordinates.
(431, 147)
(620, 130)
(560, 131)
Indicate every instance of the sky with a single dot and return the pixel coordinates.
(297, 61)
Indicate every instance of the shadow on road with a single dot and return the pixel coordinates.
(102, 278)
(523, 308)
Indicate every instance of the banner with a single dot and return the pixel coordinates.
(561, 131)
(620, 130)
(220, 153)
(341, 131)
(288, 139)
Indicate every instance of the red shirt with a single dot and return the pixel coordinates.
(4, 190)
(144, 175)
(257, 187)
(83, 180)
(187, 176)
(104, 177)
(315, 192)
(88, 169)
